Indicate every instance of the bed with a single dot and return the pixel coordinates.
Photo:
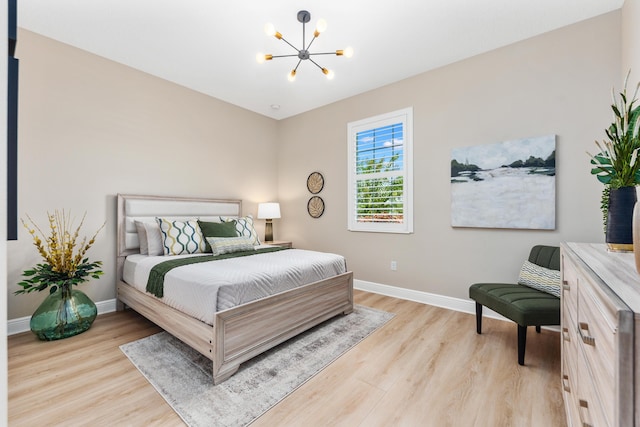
(231, 335)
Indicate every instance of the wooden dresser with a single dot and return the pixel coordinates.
(600, 311)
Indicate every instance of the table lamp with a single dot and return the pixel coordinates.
(268, 211)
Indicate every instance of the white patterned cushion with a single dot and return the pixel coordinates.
(227, 245)
(181, 237)
(245, 227)
(540, 278)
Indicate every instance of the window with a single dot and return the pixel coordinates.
(380, 173)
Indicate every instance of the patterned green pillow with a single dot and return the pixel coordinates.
(540, 278)
(244, 226)
(217, 229)
(181, 237)
(227, 245)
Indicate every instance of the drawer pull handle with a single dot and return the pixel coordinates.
(565, 285)
(586, 338)
(584, 407)
(565, 334)
(565, 383)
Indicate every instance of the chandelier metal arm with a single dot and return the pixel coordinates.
(316, 64)
(321, 53)
(310, 43)
(304, 25)
(287, 42)
(284, 56)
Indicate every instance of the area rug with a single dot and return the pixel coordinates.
(183, 376)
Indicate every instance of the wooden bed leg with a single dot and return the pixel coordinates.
(228, 372)
(119, 305)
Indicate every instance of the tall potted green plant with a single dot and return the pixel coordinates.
(617, 166)
(65, 311)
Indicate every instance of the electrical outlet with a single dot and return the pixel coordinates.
(394, 266)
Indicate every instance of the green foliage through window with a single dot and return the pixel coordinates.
(379, 199)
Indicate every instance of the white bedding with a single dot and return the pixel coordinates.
(200, 290)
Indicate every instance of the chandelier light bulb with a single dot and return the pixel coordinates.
(269, 29)
(261, 57)
(321, 26)
(348, 52)
(292, 75)
(330, 75)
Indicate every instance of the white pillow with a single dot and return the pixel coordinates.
(227, 245)
(244, 226)
(150, 238)
(154, 238)
(181, 237)
(142, 238)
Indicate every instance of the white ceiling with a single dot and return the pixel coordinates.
(210, 45)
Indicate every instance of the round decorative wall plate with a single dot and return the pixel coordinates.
(315, 182)
(315, 207)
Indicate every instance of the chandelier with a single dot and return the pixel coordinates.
(303, 54)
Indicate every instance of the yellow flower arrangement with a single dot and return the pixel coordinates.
(65, 264)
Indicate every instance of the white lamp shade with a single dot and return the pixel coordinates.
(268, 210)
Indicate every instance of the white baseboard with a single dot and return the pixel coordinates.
(16, 326)
(451, 303)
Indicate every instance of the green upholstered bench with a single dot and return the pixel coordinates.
(525, 306)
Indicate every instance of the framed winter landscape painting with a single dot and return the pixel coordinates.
(509, 184)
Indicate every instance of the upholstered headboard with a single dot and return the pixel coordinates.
(145, 208)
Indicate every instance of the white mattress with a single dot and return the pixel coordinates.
(200, 290)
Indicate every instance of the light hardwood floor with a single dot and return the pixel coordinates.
(426, 367)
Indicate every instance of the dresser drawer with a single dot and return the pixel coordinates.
(590, 410)
(569, 389)
(569, 293)
(569, 356)
(597, 329)
(569, 342)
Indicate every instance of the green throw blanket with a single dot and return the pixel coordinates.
(155, 283)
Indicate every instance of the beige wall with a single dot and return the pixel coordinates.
(631, 41)
(557, 83)
(90, 128)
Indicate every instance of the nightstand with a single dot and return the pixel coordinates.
(283, 243)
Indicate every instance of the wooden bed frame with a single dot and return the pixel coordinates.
(238, 333)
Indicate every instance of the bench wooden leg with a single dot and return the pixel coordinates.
(522, 343)
(478, 318)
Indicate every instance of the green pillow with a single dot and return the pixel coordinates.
(217, 229)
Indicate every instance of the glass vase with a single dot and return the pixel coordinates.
(64, 313)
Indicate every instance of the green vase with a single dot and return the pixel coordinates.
(64, 313)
